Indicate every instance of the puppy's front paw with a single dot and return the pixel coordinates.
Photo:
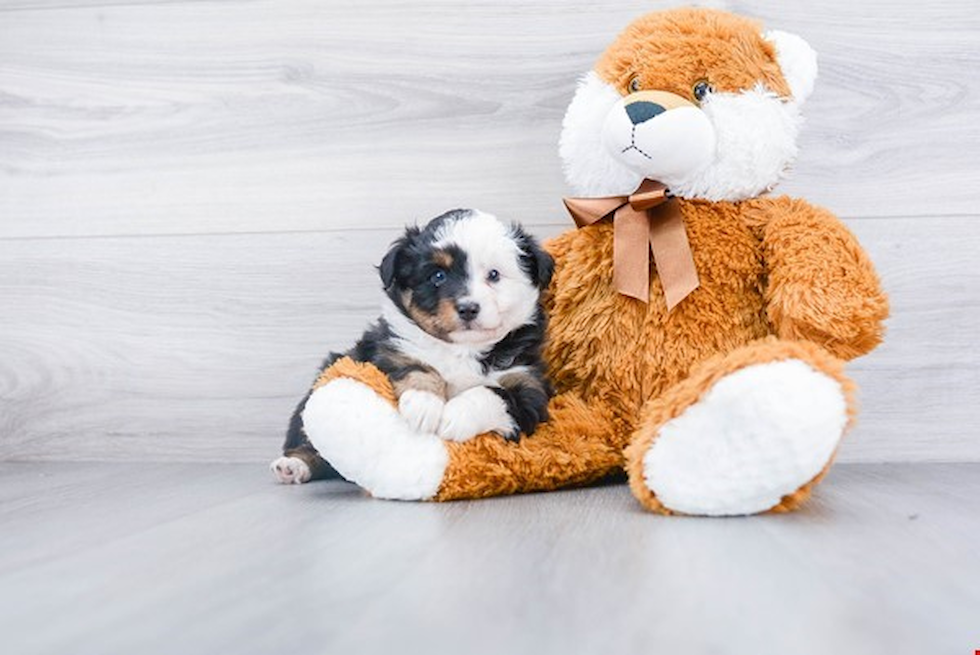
(456, 425)
(421, 409)
(474, 412)
(290, 470)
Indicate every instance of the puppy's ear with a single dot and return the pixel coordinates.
(392, 262)
(539, 264)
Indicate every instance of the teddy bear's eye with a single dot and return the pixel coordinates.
(634, 84)
(701, 89)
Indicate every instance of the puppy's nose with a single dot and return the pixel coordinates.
(643, 111)
(467, 309)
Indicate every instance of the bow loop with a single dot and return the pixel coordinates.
(644, 221)
(586, 211)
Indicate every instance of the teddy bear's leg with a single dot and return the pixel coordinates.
(749, 432)
(352, 420)
(580, 443)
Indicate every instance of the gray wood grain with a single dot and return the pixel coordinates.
(144, 118)
(194, 348)
(192, 195)
(109, 559)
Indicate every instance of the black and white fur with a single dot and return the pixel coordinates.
(460, 335)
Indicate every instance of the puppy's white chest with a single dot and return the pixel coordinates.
(460, 370)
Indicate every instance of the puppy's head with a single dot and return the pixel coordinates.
(466, 277)
(701, 100)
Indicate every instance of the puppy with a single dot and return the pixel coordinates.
(460, 335)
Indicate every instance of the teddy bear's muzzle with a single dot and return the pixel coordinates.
(660, 135)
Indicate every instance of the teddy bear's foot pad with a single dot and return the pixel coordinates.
(758, 434)
(368, 441)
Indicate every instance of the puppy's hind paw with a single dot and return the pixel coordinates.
(421, 409)
(290, 470)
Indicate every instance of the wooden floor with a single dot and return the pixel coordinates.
(196, 558)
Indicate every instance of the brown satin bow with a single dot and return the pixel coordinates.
(647, 216)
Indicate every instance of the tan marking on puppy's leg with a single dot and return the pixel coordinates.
(521, 379)
(428, 381)
(421, 399)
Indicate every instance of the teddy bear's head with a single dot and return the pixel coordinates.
(699, 99)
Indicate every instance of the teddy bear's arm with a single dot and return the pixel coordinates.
(556, 247)
(821, 284)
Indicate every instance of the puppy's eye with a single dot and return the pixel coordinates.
(700, 90)
(493, 275)
(438, 278)
(634, 84)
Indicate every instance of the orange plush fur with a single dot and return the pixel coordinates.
(779, 279)
(692, 45)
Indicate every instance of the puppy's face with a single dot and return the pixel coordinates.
(466, 277)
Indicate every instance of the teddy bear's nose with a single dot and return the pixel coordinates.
(642, 111)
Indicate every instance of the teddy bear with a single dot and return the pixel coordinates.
(697, 325)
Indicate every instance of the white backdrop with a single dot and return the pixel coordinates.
(193, 196)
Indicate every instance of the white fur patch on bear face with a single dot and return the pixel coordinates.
(589, 168)
(754, 136)
(756, 133)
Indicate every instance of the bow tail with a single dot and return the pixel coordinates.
(631, 253)
(672, 253)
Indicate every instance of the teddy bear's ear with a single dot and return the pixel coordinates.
(797, 60)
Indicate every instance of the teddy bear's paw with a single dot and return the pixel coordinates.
(290, 470)
(366, 439)
(758, 434)
(474, 412)
(421, 409)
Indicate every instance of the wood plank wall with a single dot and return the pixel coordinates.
(193, 195)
